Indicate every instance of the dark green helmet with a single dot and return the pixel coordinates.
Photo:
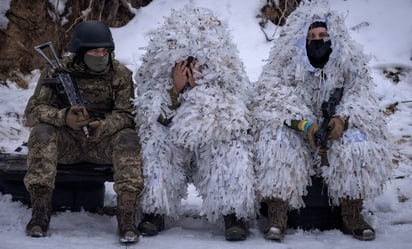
(91, 34)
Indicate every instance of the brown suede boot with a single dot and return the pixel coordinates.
(126, 217)
(277, 219)
(41, 203)
(235, 229)
(151, 224)
(353, 222)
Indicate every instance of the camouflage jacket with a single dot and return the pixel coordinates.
(107, 96)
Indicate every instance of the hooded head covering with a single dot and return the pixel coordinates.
(197, 32)
(317, 24)
(289, 69)
(222, 88)
(291, 44)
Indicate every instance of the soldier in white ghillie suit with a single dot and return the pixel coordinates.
(191, 105)
(313, 57)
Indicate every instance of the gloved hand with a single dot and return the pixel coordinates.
(311, 132)
(98, 128)
(77, 117)
(336, 127)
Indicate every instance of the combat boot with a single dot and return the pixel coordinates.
(235, 229)
(126, 217)
(277, 219)
(353, 222)
(151, 224)
(41, 203)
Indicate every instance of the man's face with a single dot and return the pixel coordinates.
(97, 59)
(317, 34)
(318, 46)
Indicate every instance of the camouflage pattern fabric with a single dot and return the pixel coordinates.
(108, 98)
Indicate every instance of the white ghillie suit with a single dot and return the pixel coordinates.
(291, 88)
(210, 128)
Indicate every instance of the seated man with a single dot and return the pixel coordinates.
(102, 131)
(194, 121)
(314, 64)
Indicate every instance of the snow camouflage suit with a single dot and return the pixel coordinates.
(207, 141)
(108, 97)
(290, 88)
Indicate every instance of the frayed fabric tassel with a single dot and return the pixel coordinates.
(161, 160)
(284, 168)
(354, 170)
(225, 179)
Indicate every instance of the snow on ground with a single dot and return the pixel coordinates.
(382, 27)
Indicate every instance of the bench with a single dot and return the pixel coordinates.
(83, 186)
(77, 186)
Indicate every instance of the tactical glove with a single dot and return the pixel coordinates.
(77, 117)
(311, 132)
(336, 127)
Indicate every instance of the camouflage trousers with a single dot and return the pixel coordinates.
(49, 145)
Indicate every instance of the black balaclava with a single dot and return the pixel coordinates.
(318, 51)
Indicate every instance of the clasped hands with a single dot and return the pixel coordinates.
(77, 117)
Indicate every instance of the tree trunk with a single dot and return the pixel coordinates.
(278, 13)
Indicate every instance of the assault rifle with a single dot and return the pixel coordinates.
(328, 111)
(64, 78)
(321, 136)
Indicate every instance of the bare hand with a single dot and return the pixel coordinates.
(180, 72)
(190, 77)
(98, 129)
(183, 75)
(77, 117)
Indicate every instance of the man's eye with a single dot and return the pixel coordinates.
(313, 36)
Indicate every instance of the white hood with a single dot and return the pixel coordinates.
(216, 109)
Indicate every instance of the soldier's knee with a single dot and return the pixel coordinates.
(126, 138)
(42, 133)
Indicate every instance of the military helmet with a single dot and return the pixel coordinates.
(91, 34)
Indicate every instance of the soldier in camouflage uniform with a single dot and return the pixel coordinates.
(57, 137)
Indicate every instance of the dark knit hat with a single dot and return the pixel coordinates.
(317, 25)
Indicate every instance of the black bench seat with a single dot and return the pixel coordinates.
(77, 186)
